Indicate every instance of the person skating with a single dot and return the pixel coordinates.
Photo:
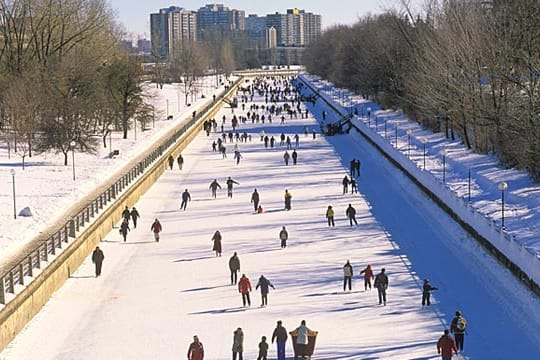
(234, 267)
(283, 236)
(195, 350)
(217, 243)
(265, 286)
(345, 183)
(255, 199)
(280, 335)
(458, 327)
(347, 275)
(286, 157)
(357, 167)
(446, 346)
(185, 198)
(288, 197)
(381, 283)
(238, 344)
(263, 349)
(330, 216)
(426, 292)
(244, 287)
(124, 229)
(170, 160)
(180, 161)
(354, 188)
(214, 185)
(294, 156)
(237, 156)
(126, 214)
(134, 216)
(97, 259)
(230, 184)
(368, 275)
(156, 229)
(352, 167)
(351, 214)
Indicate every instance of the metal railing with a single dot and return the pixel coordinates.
(67, 232)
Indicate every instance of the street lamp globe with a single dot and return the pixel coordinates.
(72, 144)
(12, 172)
(503, 186)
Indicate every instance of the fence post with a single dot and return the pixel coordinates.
(30, 266)
(46, 259)
(38, 264)
(11, 282)
(72, 228)
(21, 274)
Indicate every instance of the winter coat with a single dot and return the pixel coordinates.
(255, 197)
(426, 288)
(302, 334)
(330, 213)
(217, 242)
(264, 283)
(280, 334)
(186, 196)
(381, 281)
(97, 256)
(244, 285)
(124, 227)
(283, 235)
(234, 263)
(213, 186)
(454, 328)
(345, 181)
(238, 341)
(156, 227)
(368, 273)
(350, 212)
(446, 346)
(134, 214)
(126, 213)
(195, 351)
(230, 183)
(347, 270)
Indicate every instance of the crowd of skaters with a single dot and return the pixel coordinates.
(276, 94)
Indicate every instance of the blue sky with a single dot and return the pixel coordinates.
(135, 15)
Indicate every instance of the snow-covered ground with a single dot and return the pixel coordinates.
(153, 297)
(47, 186)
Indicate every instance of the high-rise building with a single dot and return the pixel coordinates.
(255, 28)
(170, 28)
(218, 18)
(295, 27)
(271, 37)
(144, 46)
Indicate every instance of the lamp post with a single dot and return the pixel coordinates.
(72, 145)
(368, 114)
(396, 128)
(502, 186)
(469, 185)
(376, 123)
(409, 132)
(167, 108)
(385, 127)
(12, 171)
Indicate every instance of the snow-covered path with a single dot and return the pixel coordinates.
(153, 297)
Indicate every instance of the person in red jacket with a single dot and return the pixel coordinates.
(446, 346)
(156, 229)
(368, 275)
(195, 350)
(244, 287)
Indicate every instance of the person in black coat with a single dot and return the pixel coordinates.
(185, 198)
(134, 216)
(180, 161)
(294, 157)
(283, 236)
(255, 199)
(97, 259)
(280, 335)
(351, 214)
(124, 229)
(126, 214)
(426, 292)
(265, 286)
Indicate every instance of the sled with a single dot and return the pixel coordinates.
(301, 352)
